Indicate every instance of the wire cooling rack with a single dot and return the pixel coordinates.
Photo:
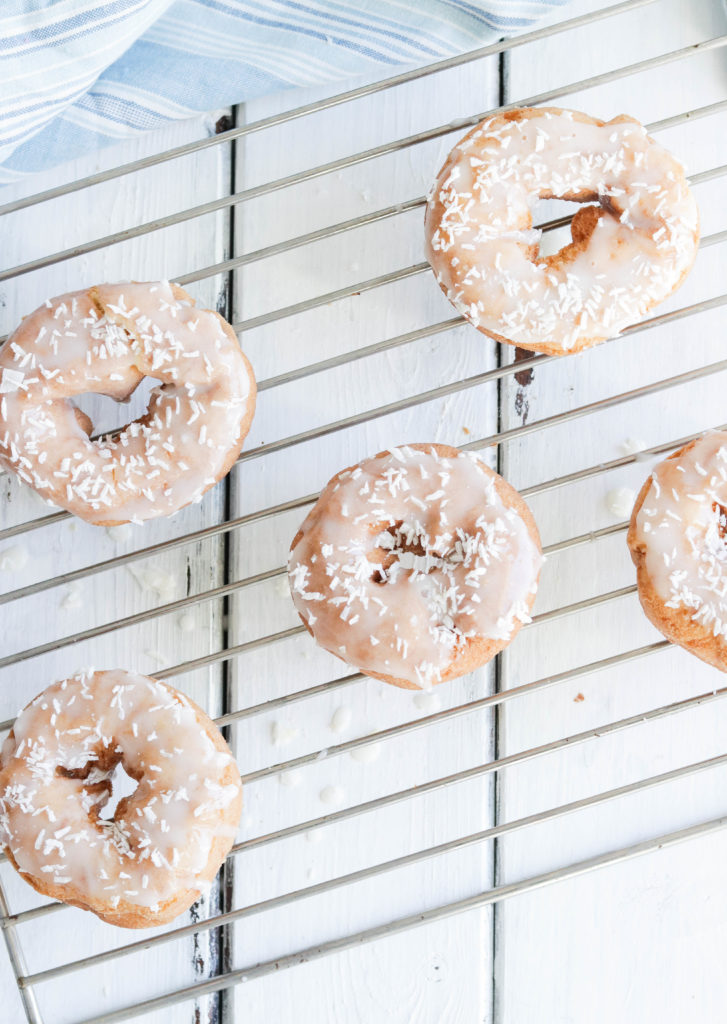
(13, 921)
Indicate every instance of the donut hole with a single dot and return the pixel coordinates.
(721, 512)
(122, 786)
(400, 544)
(107, 782)
(577, 229)
(103, 414)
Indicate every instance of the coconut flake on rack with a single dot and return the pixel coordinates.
(14, 558)
(334, 795)
(620, 501)
(120, 534)
(156, 580)
(282, 733)
(73, 597)
(187, 622)
(341, 719)
(367, 754)
(633, 445)
(429, 702)
(292, 778)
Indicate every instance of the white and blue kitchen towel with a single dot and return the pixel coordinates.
(79, 74)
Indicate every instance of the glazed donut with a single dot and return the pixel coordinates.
(678, 542)
(106, 340)
(628, 252)
(165, 842)
(416, 566)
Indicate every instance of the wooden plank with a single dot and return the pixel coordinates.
(54, 550)
(636, 941)
(443, 972)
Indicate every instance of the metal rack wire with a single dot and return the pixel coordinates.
(12, 922)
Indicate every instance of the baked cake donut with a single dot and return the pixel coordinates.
(164, 843)
(416, 566)
(106, 340)
(629, 251)
(678, 541)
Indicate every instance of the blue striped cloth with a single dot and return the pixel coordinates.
(76, 75)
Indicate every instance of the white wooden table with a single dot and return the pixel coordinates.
(639, 940)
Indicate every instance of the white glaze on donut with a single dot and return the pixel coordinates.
(680, 527)
(406, 557)
(161, 837)
(106, 340)
(628, 254)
